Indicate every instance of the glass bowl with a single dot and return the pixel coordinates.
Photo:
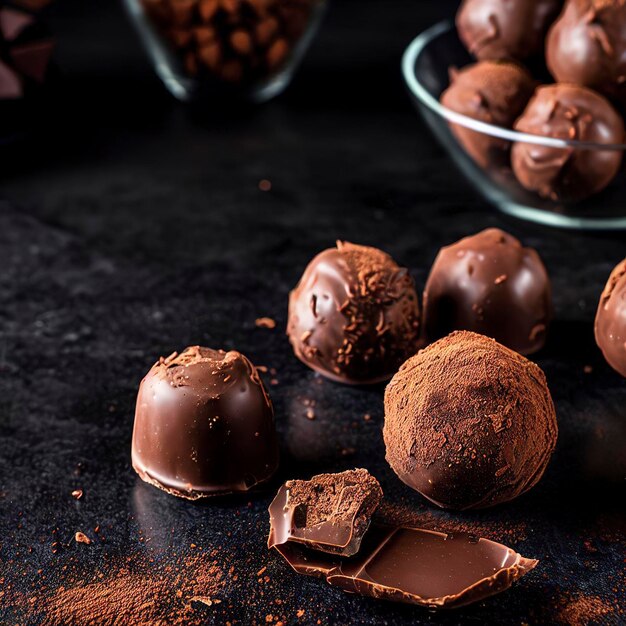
(425, 66)
(211, 50)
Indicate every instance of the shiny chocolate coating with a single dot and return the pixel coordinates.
(505, 29)
(610, 326)
(354, 315)
(469, 423)
(489, 284)
(574, 113)
(204, 425)
(587, 46)
(493, 92)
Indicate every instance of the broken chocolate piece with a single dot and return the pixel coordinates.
(330, 512)
(416, 566)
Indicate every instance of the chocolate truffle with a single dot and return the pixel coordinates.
(574, 113)
(354, 315)
(469, 423)
(587, 46)
(204, 425)
(515, 29)
(492, 92)
(329, 513)
(489, 284)
(610, 326)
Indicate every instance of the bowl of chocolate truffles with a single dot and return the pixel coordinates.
(233, 50)
(529, 98)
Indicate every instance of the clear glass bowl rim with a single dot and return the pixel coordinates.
(409, 61)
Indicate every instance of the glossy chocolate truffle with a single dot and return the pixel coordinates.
(489, 284)
(354, 315)
(469, 423)
(493, 92)
(329, 513)
(610, 324)
(575, 113)
(587, 46)
(204, 425)
(511, 29)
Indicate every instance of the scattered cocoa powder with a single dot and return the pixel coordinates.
(582, 610)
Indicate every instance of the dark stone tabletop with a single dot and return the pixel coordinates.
(131, 227)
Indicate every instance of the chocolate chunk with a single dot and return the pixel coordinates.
(491, 92)
(493, 29)
(330, 512)
(489, 284)
(469, 423)
(610, 325)
(354, 315)
(204, 425)
(573, 113)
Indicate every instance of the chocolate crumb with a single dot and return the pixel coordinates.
(77, 494)
(265, 322)
(82, 538)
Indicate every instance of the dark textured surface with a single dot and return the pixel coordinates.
(132, 228)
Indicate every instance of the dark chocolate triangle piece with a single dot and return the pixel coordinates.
(13, 23)
(33, 59)
(10, 83)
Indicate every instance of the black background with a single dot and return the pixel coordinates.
(130, 227)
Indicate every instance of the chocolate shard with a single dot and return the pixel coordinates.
(330, 512)
(13, 23)
(32, 59)
(416, 566)
(10, 83)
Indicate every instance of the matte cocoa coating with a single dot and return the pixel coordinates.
(489, 284)
(330, 512)
(204, 425)
(416, 566)
(570, 112)
(469, 423)
(587, 46)
(505, 29)
(494, 92)
(354, 315)
(610, 326)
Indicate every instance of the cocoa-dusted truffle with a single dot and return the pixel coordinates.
(204, 425)
(575, 113)
(330, 512)
(515, 29)
(488, 283)
(587, 46)
(469, 423)
(354, 315)
(492, 92)
(610, 327)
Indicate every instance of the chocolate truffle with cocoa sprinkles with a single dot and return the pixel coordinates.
(515, 29)
(354, 315)
(571, 173)
(610, 326)
(587, 46)
(204, 425)
(469, 423)
(489, 284)
(493, 92)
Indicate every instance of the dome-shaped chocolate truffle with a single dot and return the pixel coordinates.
(469, 423)
(489, 284)
(204, 425)
(493, 92)
(354, 315)
(513, 29)
(587, 46)
(575, 113)
(610, 324)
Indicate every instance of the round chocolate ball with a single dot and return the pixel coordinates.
(587, 46)
(489, 284)
(513, 29)
(354, 315)
(575, 113)
(469, 423)
(494, 92)
(204, 425)
(610, 326)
